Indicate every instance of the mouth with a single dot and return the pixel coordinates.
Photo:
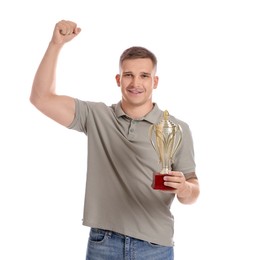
(135, 91)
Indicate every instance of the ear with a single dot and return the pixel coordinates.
(117, 78)
(156, 79)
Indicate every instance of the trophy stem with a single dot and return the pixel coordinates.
(165, 170)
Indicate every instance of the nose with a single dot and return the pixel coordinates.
(136, 81)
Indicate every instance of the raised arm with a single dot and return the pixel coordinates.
(43, 95)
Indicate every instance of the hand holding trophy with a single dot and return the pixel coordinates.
(168, 137)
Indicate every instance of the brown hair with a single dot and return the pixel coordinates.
(137, 52)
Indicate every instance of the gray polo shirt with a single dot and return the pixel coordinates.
(121, 163)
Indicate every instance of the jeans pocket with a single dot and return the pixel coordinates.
(153, 244)
(97, 235)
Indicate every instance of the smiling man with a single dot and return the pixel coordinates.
(137, 80)
(127, 218)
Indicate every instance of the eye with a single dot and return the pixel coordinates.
(128, 75)
(144, 75)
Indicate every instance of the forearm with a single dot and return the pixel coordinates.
(190, 193)
(45, 78)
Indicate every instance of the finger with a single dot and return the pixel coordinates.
(66, 27)
(178, 178)
(178, 174)
(172, 185)
(64, 32)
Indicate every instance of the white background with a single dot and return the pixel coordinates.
(213, 61)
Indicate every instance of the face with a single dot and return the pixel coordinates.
(137, 80)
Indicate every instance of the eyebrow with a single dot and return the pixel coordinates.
(144, 73)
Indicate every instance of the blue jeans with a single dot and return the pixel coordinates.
(108, 245)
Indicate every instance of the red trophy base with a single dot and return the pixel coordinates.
(158, 182)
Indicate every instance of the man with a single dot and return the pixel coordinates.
(128, 218)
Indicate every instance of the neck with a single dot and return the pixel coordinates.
(136, 112)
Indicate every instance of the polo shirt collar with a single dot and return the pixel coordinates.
(153, 116)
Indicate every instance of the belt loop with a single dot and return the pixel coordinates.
(109, 233)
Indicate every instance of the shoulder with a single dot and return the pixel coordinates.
(84, 105)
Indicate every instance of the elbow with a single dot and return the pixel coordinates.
(37, 100)
(34, 100)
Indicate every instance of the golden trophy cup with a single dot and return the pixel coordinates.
(166, 138)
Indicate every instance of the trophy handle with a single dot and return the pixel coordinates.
(151, 139)
(179, 140)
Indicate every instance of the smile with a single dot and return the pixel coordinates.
(135, 91)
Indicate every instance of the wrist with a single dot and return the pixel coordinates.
(186, 192)
(55, 45)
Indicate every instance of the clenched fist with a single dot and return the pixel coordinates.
(65, 31)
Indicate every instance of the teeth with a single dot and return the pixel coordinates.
(134, 91)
